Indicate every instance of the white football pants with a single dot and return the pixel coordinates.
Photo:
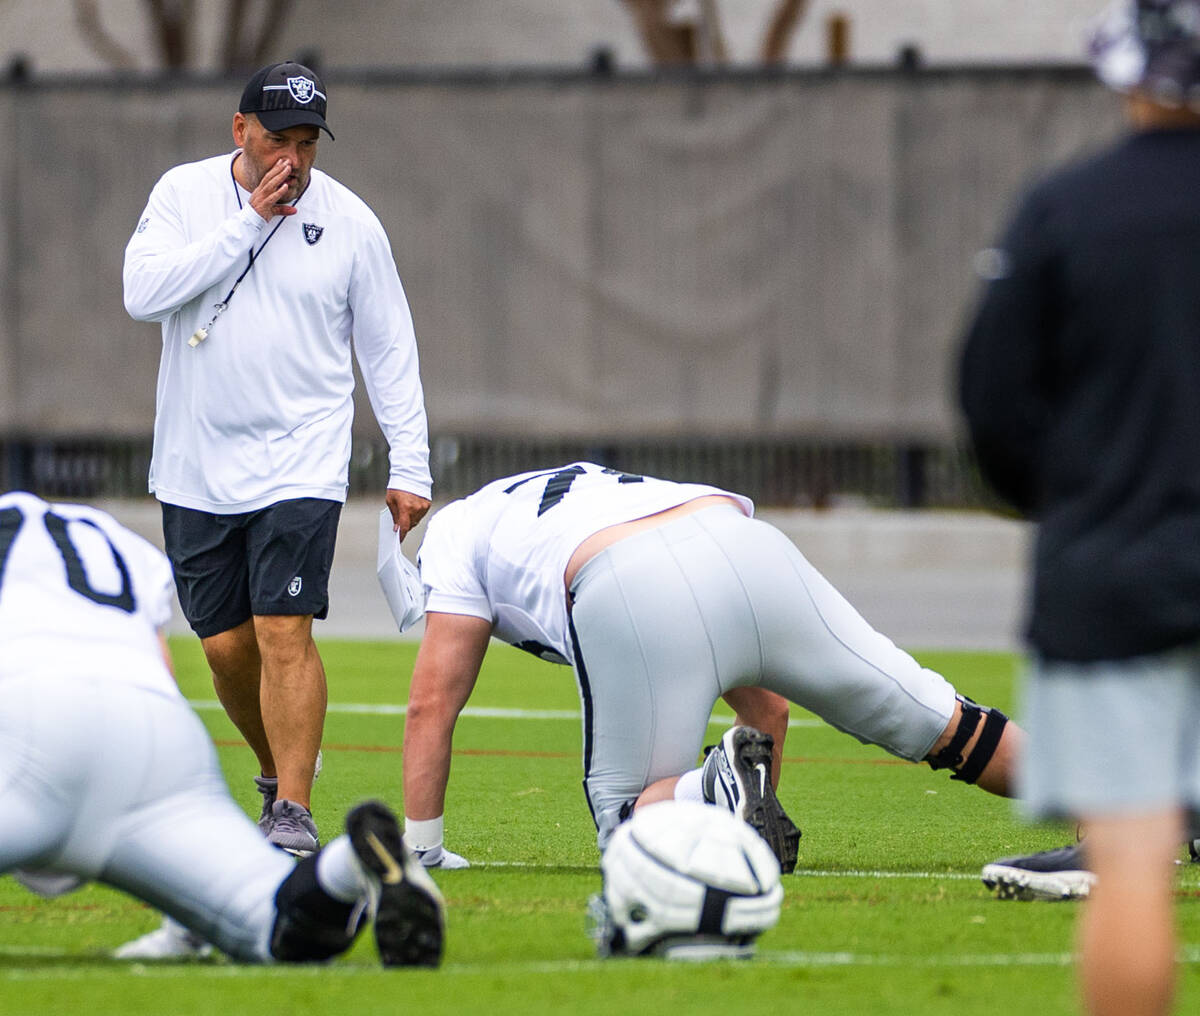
(671, 618)
(120, 784)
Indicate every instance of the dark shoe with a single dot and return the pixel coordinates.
(1058, 874)
(410, 915)
(737, 776)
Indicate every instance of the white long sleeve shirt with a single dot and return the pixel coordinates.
(261, 410)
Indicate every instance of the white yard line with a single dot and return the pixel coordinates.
(476, 712)
(1189, 955)
(806, 872)
(1189, 876)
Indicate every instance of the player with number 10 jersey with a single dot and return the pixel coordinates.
(71, 578)
(107, 774)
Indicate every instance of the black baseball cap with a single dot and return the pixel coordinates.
(286, 95)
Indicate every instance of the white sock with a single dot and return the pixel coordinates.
(339, 871)
(690, 787)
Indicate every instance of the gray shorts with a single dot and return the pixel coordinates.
(671, 618)
(1112, 737)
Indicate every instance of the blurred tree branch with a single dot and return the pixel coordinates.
(173, 22)
(781, 28)
(87, 18)
(250, 28)
(687, 32)
(248, 50)
(669, 41)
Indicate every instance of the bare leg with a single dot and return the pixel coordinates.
(755, 707)
(294, 697)
(1127, 931)
(236, 667)
(999, 774)
(763, 710)
(660, 790)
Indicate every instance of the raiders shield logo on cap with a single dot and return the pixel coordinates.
(302, 88)
(312, 233)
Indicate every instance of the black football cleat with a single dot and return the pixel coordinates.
(737, 776)
(1057, 874)
(410, 917)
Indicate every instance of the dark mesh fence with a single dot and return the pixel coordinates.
(775, 473)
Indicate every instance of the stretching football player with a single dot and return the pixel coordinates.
(665, 597)
(106, 774)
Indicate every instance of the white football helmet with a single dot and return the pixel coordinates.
(685, 880)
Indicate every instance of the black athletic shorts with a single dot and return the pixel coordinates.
(229, 568)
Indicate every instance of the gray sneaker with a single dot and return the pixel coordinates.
(293, 828)
(737, 776)
(1058, 874)
(268, 786)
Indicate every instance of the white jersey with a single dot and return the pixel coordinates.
(500, 554)
(261, 410)
(80, 596)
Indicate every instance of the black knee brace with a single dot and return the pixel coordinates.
(951, 757)
(310, 925)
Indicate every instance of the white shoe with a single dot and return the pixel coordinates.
(170, 941)
(1058, 874)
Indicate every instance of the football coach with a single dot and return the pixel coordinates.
(260, 270)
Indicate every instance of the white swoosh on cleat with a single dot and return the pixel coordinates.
(762, 779)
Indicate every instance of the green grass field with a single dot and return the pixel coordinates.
(884, 915)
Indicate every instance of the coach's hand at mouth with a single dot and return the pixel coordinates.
(407, 510)
(271, 190)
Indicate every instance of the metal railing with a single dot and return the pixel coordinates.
(776, 472)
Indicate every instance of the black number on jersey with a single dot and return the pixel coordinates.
(559, 482)
(540, 650)
(11, 520)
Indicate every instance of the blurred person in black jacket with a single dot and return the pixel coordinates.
(1081, 388)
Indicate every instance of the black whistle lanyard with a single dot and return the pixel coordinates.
(200, 334)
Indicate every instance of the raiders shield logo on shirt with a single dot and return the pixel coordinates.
(312, 233)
